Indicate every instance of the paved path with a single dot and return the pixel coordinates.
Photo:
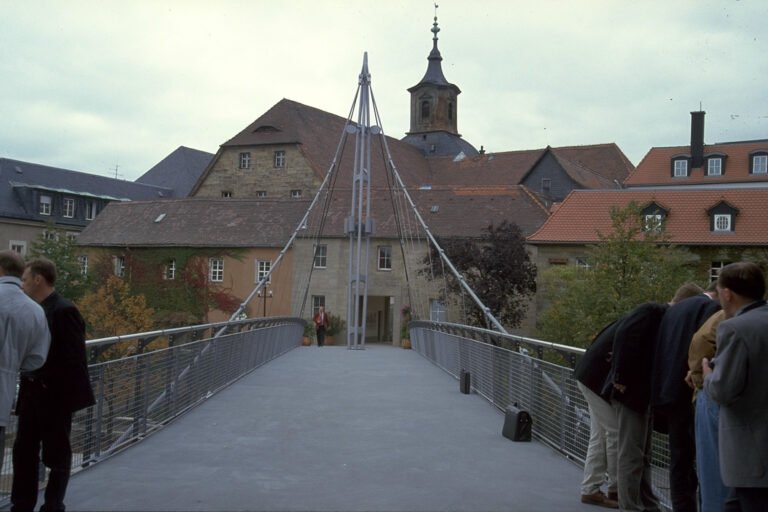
(331, 429)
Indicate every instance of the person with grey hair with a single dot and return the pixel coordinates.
(738, 383)
(24, 336)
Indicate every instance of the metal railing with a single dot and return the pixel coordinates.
(143, 381)
(536, 375)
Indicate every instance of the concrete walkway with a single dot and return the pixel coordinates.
(331, 429)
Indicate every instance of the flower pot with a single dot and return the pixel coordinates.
(405, 343)
(306, 341)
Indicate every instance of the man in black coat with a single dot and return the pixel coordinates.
(628, 385)
(671, 397)
(49, 396)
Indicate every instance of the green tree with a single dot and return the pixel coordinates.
(632, 264)
(59, 246)
(496, 266)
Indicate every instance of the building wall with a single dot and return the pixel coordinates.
(226, 175)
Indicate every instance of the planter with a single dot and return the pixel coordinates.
(405, 343)
(330, 340)
(306, 341)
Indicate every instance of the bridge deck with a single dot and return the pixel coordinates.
(332, 429)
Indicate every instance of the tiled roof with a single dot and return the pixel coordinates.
(178, 171)
(15, 173)
(585, 213)
(594, 166)
(318, 134)
(178, 223)
(656, 167)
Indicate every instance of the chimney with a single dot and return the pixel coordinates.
(697, 139)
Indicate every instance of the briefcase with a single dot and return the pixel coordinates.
(517, 424)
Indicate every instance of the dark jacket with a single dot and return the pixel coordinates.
(632, 361)
(670, 363)
(63, 380)
(595, 364)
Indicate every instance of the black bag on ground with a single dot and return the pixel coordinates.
(517, 424)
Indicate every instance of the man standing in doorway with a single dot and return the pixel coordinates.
(49, 396)
(321, 324)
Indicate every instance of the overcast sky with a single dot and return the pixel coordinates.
(90, 85)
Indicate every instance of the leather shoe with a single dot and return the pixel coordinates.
(599, 499)
(613, 496)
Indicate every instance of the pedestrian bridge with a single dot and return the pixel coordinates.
(241, 416)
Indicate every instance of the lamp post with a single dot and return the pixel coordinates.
(265, 294)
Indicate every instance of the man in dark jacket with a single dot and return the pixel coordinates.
(49, 396)
(672, 399)
(628, 385)
(602, 455)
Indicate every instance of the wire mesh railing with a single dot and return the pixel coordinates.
(143, 381)
(536, 375)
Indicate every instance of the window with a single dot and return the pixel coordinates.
(317, 302)
(69, 207)
(437, 310)
(295, 194)
(18, 246)
(425, 109)
(280, 158)
(262, 269)
(760, 164)
(450, 111)
(722, 222)
(226, 193)
(321, 256)
(119, 266)
(653, 222)
(169, 272)
(385, 257)
(680, 168)
(216, 270)
(90, 210)
(546, 185)
(583, 263)
(49, 235)
(261, 193)
(72, 236)
(715, 268)
(45, 205)
(83, 263)
(245, 160)
(714, 166)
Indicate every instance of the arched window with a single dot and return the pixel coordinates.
(425, 109)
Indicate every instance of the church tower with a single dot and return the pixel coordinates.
(434, 110)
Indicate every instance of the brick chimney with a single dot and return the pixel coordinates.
(697, 139)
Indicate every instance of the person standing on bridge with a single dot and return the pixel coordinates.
(321, 325)
(602, 456)
(49, 396)
(738, 383)
(24, 337)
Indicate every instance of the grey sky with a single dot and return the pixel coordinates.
(86, 85)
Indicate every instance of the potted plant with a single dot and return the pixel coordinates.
(309, 333)
(405, 314)
(335, 325)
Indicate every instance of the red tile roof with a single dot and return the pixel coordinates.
(656, 167)
(585, 213)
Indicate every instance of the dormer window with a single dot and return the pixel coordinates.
(722, 218)
(714, 166)
(680, 168)
(653, 217)
(759, 163)
(45, 205)
(722, 222)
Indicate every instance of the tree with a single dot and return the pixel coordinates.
(635, 263)
(59, 246)
(496, 266)
(112, 310)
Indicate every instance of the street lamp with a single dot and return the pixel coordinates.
(265, 294)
